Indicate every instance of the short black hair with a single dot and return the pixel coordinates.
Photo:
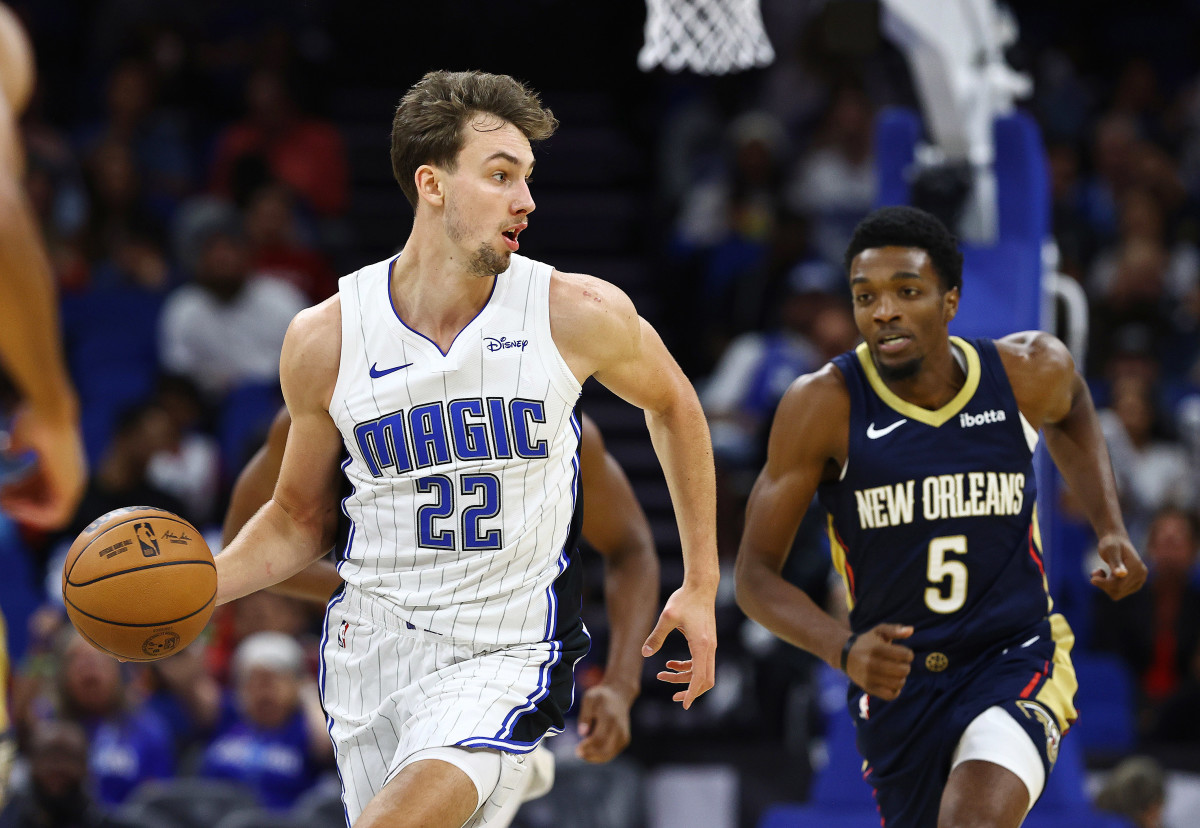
(903, 226)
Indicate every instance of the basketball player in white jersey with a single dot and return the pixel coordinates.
(447, 378)
(613, 524)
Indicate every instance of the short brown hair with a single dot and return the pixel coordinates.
(428, 126)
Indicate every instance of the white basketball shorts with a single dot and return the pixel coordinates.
(390, 690)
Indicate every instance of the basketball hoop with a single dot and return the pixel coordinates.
(709, 37)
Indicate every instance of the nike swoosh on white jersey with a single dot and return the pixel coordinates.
(875, 434)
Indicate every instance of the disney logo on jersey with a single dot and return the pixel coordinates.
(511, 343)
(966, 420)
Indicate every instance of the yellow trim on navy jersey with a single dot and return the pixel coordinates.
(915, 412)
(1037, 545)
(838, 553)
(1058, 693)
(5, 718)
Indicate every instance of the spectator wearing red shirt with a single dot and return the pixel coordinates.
(277, 248)
(1157, 630)
(303, 152)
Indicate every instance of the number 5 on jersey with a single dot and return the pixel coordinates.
(938, 569)
(483, 489)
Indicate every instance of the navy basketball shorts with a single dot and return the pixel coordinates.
(909, 743)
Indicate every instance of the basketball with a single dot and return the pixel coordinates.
(139, 583)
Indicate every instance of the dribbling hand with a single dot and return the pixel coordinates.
(1126, 572)
(879, 666)
(691, 611)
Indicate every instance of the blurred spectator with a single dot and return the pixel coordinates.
(1157, 629)
(189, 467)
(741, 195)
(1073, 235)
(182, 691)
(276, 248)
(273, 735)
(129, 742)
(262, 611)
(1135, 789)
(1115, 142)
(304, 152)
(1137, 95)
(752, 375)
(1176, 721)
(114, 372)
(796, 265)
(54, 182)
(757, 367)
(725, 228)
(120, 478)
(117, 209)
(1151, 469)
(835, 182)
(1142, 219)
(157, 138)
(227, 328)
(57, 795)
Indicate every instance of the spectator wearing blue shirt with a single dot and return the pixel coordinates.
(272, 734)
(57, 793)
(129, 742)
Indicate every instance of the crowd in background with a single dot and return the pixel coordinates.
(192, 191)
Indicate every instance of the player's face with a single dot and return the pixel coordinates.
(487, 196)
(900, 307)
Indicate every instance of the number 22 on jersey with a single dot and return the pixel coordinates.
(481, 491)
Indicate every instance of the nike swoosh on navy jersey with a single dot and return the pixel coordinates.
(376, 373)
(875, 434)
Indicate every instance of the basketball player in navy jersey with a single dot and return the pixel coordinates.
(450, 376)
(919, 445)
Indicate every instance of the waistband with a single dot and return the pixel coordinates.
(381, 612)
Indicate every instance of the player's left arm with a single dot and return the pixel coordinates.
(1054, 397)
(599, 333)
(616, 527)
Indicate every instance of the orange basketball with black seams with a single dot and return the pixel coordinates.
(139, 583)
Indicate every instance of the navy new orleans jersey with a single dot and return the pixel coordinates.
(934, 520)
(933, 524)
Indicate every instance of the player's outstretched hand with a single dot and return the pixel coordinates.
(1126, 572)
(877, 664)
(47, 497)
(691, 611)
(603, 723)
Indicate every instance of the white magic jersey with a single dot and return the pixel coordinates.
(464, 465)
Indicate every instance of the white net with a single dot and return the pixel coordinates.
(709, 37)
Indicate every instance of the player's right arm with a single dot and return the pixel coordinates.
(297, 525)
(47, 421)
(808, 443)
(254, 487)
